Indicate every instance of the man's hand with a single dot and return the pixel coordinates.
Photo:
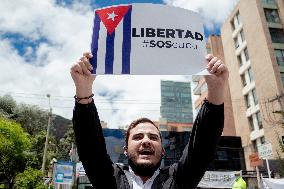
(216, 82)
(83, 79)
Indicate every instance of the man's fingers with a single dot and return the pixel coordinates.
(211, 63)
(76, 69)
(84, 67)
(215, 66)
(209, 57)
(88, 55)
(220, 69)
(86, 61)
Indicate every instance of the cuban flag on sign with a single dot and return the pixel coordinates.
(115, 44)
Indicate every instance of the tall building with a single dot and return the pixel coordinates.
(214, 46)
(253, 41)
(176, 106)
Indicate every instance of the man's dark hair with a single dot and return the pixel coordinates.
(134, 123)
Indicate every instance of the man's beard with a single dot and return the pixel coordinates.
(143, 169)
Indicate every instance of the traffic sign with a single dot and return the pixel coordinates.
(265, 150)
(254, 160)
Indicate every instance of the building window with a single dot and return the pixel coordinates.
(236, 42)
(282, 77)
(238, 18)
(259, 120)
(246, 53)
(279, 56)
(277, 35)
(236, 21)
(209, 50)
(242, 35)
(244, 80)
(247, 100)
(262, 140)
(254, 96)
(272, 15)
(222, 155)
(233, 25)
(254, 146)
(240, 60)
(187, 129)
(251, 126)
(270, 2)
(250, 74)
(163, 127)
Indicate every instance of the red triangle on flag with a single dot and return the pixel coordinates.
(112, 16)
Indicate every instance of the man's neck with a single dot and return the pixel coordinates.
(144, 178)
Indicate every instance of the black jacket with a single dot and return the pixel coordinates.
(185, 174)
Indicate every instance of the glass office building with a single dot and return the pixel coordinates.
(176, 102)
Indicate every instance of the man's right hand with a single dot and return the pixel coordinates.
(83, 78)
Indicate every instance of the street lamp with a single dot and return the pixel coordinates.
(47, 135)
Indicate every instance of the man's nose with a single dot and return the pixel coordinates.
(146, 141)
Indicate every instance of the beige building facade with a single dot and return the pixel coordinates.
(253, 42)
(214, 46)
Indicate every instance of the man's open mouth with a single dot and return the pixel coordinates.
(146, 152)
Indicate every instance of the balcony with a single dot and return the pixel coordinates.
(280, 61)
(197, 90)
(269, 4)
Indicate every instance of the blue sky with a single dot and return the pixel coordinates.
(41, 40)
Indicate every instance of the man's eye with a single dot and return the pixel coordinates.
(137, 137)
(154, 138)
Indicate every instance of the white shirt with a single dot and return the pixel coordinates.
(138, 182)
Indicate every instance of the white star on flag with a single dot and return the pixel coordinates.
(111, 16)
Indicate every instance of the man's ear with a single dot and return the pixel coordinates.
(125, 150)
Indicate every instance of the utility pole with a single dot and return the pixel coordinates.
(47, 135)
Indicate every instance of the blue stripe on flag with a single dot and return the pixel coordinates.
(95, 40)
(126, 44)
(109, 53)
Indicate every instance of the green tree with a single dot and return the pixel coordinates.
(280, 168)
(32, 118)
(14, 145)
(65, 145)
(7, 106)
(30, 179)
(36, 151)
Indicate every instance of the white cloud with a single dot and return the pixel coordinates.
(213, 12)
(66, 33)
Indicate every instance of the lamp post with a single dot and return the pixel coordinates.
(47, 135)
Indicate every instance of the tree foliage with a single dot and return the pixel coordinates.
(65, 145)
(30, 179)
(14, 145)
(7, 106)
(32, 119)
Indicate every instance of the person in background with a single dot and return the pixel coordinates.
(239, 183)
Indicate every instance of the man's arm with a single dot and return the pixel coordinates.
(87, 128)
(207, 128)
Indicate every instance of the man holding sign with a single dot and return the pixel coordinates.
(143, 139)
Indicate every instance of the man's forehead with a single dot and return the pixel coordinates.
(144, 128)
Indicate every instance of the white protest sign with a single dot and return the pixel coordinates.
(147, 39)
(217, 179)
(265, 150)
(63, 172)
